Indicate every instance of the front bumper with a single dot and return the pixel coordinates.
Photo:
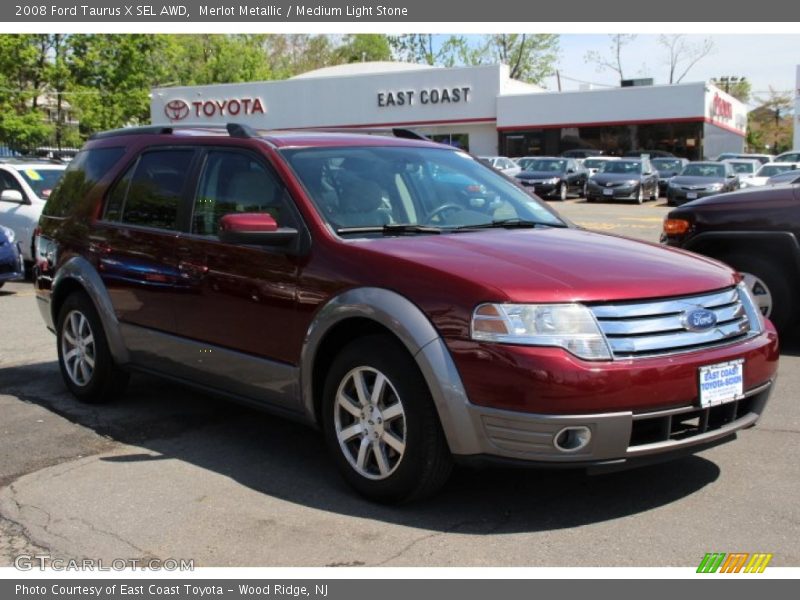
(616, 193)
(520, 398)
(541, 189)
(679, 196)
(618, 440)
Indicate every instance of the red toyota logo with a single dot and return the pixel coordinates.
(176, 110)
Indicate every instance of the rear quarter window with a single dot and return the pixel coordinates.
(82, 174)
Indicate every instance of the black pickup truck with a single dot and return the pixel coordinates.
(757, 232)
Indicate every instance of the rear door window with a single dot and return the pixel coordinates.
(156, 189)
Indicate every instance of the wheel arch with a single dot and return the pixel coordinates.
(364, 311)
(78, 274)
(764, 243)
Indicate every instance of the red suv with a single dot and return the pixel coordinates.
(414, 304)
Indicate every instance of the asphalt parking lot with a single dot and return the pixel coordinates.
(170, 473)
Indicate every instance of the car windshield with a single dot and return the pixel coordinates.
(770, 170)
(392, 187)
(704, 170)
(42, 181)
(666, 164)
(594, 163)
(622, 166)
(743, 167)
(554, 165)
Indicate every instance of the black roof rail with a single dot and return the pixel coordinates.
(155, 129)
(239, 130)
(408, 134)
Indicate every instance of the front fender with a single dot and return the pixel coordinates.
(415, 331)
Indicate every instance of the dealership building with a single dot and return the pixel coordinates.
(480, 109)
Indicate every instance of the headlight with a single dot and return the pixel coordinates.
(632, 182)
(673, 185)
(552, 180)
(751, 308)
(569, 326)
(715, 187)
(9, 233)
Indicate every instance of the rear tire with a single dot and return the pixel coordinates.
(84, 358)
(381, 425)
(775, 292)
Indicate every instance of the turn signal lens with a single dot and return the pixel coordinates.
(676, 226)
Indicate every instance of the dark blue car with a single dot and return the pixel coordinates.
(12, 266)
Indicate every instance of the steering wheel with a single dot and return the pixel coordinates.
(440, 209)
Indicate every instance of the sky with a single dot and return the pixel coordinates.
(767, 60)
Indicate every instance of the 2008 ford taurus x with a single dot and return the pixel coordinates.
(415, 305)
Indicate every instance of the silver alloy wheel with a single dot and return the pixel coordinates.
(760, 292)
(78, 349)
(370, 423)
(562, 191)
(640, 195)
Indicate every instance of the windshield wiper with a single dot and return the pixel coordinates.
(513, 223)
(389, 229)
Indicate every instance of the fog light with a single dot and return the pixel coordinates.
(572, 439)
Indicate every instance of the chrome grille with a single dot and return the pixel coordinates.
(657, 327)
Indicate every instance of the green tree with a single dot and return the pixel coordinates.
(738, 87)
(363, 47)
(205, 59)
(111, 77)
(530, 57)
(770, 123)
(24, 70)
(414, 48)
(290, 55)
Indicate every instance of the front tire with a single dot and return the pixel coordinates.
(773, 290)
(640, 195)
(380, 423)
(562, 192)
(84, 358)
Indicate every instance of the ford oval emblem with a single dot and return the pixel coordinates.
(699, 319)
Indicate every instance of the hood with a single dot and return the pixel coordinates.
(542, 265)
(760, 198)
(696, 180)
(603, 178)
(665, 173)
(540, 175)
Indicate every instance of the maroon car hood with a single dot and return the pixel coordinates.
(553, 265)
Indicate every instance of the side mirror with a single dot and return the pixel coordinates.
(731, 175)
(570, 170)
(259, 229)
(13, 196)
